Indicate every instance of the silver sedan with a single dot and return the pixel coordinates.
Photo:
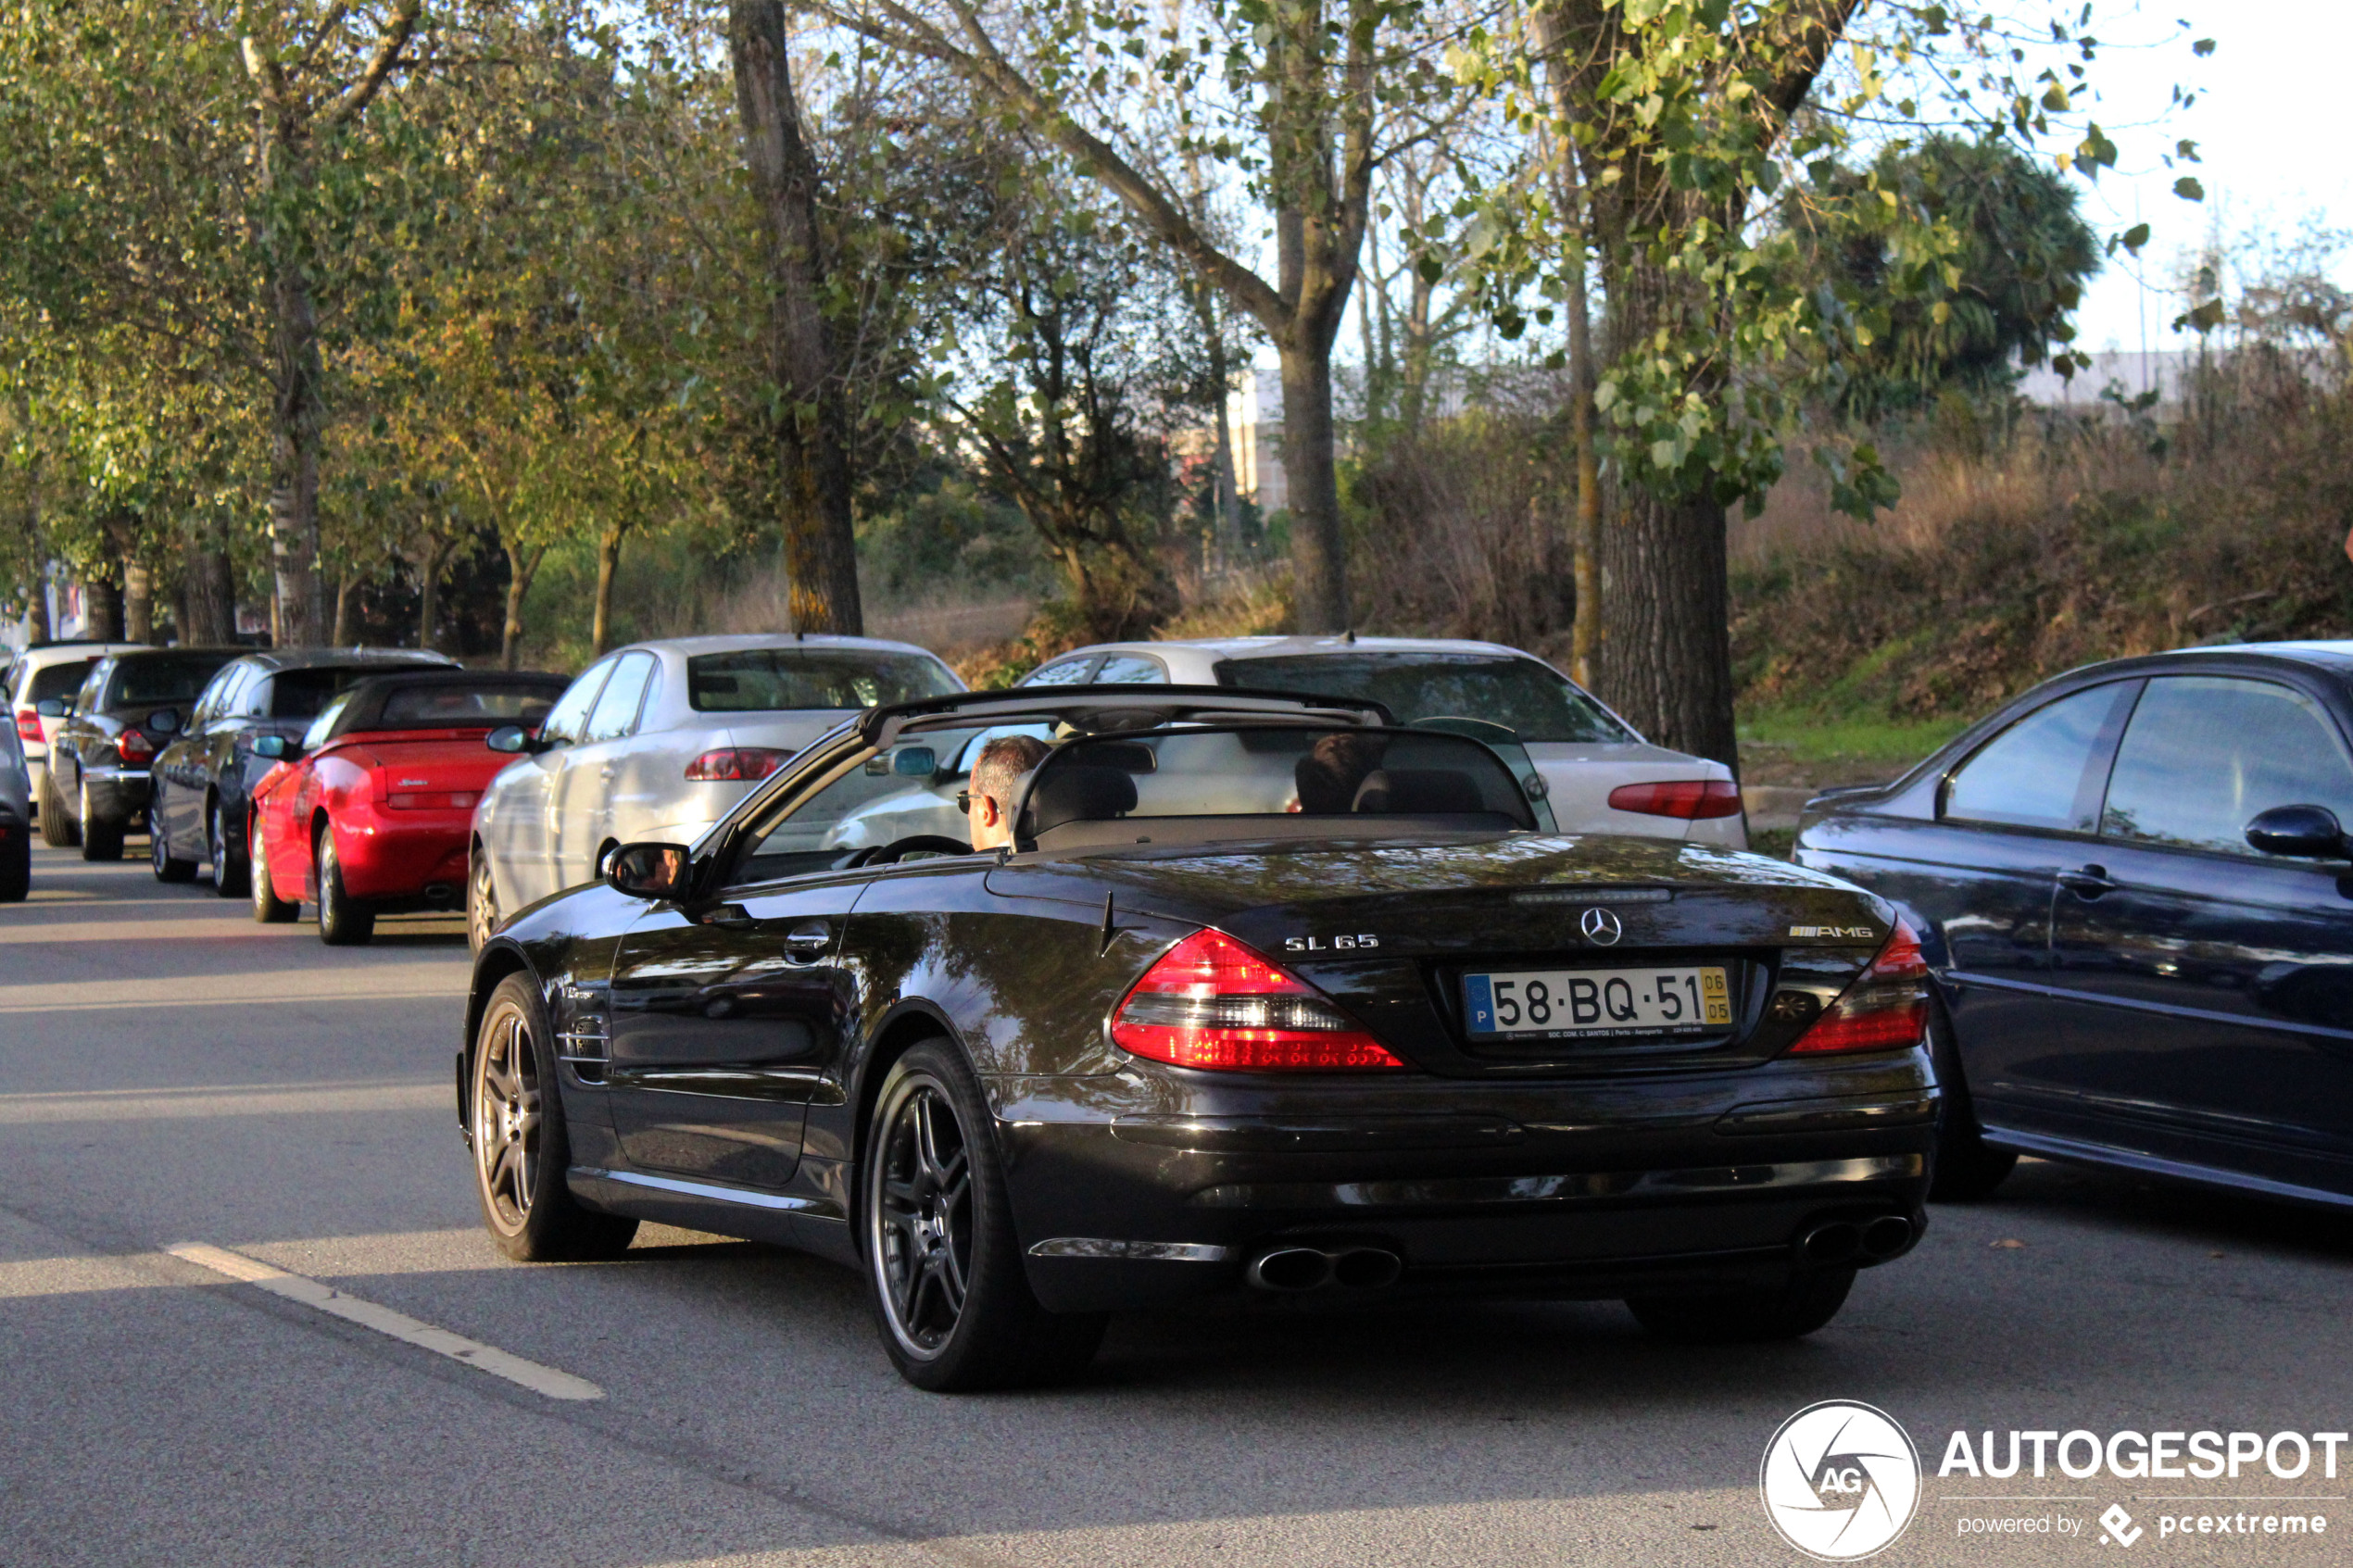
(657, 740)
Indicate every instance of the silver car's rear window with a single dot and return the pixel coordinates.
(771, 680)
(1519, 693)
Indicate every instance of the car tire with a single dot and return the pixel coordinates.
(168, 868)
(100, 841)
(344, 921)
(267, 907)
(1967, 1167)
(1747, 1317)
(482, 901)
(515, 1121)
(943, 1263)
(57, 829)
(16, 869)
(229, 868)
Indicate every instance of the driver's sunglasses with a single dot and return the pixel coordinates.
(964, 801)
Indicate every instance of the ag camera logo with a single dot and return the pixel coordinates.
(1841, 1481)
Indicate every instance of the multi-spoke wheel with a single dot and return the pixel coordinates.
(344, 921)
(955, 1306)
(228, 866)
(482, 901)
(168, 867)
(515, 1118)
(267, 907)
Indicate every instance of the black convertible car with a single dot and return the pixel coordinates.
(1211, 1024)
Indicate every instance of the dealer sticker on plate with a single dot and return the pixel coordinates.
(1597, 1002)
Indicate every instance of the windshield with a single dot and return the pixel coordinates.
(765, 680)
(324, 726)
(444, 707)
(57, 680)
(1520, 694)
(155, 679)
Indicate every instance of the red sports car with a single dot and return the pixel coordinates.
(369, 813)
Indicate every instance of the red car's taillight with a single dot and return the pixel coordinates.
(735, 762)
(1679, 797)
(1884, 1009)
(29, 725)
(436, 801)
(135, 748)
(1211, 1002)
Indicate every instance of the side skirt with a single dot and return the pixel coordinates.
(808, 1225)
(2084, 1153)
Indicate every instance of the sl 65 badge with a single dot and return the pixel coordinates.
(1327, 945)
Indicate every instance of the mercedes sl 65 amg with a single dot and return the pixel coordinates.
(1213, 993)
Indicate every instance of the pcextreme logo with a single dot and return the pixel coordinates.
(1841, 1481)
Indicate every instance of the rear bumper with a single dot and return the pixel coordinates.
(404, 858)
(1505, 1188)
(118, 796)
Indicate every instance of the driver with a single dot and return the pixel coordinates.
(996, 777)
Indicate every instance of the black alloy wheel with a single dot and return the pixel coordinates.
(57, 829)
(1967, 1167)
(100, 841)
(1747, 1317)
(955, 1306)
(482, 901)
(515, 1121)
(160, 855)
(229, 868)
(344, 921)
(267, 907)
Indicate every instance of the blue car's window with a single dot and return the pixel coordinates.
(2205, 756)
(2038, 772)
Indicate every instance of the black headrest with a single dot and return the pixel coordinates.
(1413, 790)
(1127, 756)
(1079, 793)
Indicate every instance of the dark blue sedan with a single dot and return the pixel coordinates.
(2135, 892)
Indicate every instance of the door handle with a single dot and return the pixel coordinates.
(807, 942)
(2089, 883)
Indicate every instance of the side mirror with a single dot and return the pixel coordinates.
(649, 870)
(164, 720)
(276, 747)
(51, 708)
(915, 761)
(2309, 833)
(512, 740)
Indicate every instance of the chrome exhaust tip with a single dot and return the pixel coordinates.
(1837, 1242)
(1367, 1268)
(1289, 1269)
(1887, 1236)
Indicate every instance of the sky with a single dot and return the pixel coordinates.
(2270, 122)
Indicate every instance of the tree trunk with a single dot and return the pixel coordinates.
(608, 567)
(1666, 660)
(431, 562)
(101, 609)
(812, 456)
(346, 588)
(208, 616)
(293, 491)
(1319, 565)
(36, 618)
(138, 602)
(521, 567)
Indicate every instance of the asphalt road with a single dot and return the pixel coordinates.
(172, 1073)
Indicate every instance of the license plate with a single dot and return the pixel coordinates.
(1597, 1002)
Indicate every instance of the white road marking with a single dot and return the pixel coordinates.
(84, 1004)
(383, 1319)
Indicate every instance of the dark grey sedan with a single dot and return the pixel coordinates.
(2135, 892)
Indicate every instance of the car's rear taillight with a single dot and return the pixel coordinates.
(29, 725)
(135, 747)
(1884, 1009)
(1679, 797)
(1211, 1002)
(431, 800)
(735, 762)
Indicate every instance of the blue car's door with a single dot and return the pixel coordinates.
(2207, 989)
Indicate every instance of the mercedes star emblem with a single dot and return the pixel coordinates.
(1601, 928)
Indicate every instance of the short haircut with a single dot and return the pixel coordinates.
(1002, 764)
(1330, 776)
